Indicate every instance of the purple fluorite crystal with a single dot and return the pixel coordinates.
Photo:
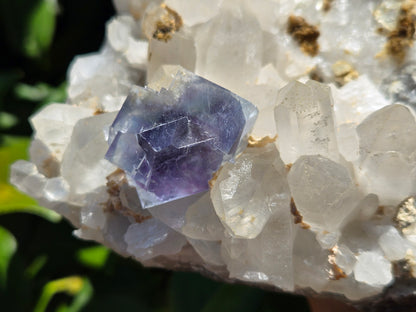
(171, 142)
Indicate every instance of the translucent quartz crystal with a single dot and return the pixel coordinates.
(53, 125)
(180, 50)
(99, 79)
(152, 238)
(372, 268)
(119, 30)
(195, 12)
(255, 259)
(394, 246)
(53, 193)
(310, 261)
(230, 45)
(383, 131)
(247, 193)
(123, 34)
(83, 163)
(210, 251)
(345, 259)
(305, 122)
(27, 176)
(202, 222)
(173, 213)
(387, 149)
(264, 95)
(322, 187)
(171, 142)
(367, 99)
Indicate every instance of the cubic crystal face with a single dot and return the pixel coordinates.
(170, 142)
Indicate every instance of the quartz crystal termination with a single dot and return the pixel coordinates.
(247, 193)
(170, 142)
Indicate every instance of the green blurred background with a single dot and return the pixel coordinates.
(42, 266)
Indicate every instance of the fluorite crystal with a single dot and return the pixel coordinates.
(171, 142)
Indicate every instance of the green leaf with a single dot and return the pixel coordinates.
(8, 246)
(33, 269)
(76, 286)
(41, 92)
(40, 28)
(93, 257)
(12, 149)
(33, 93)
(11, 200)
(7, 120)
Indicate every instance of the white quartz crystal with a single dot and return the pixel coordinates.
(202, 222)
(322, 187)
(247, 193)
(208, 250)
(345, 258)
(372, 268)
(305, 122)
(255, 259)
(53, 125)
(314, 203)
(230, 45)
(152, 238)
(180, 50)
(393, 244)
(310, 262)
(386, 148)
(195, 12)
(83, 163)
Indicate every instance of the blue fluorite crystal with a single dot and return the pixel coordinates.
(170, 142)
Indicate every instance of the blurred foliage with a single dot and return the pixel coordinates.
(75, 286)
(40, 27)
(42, 266)
(8, 247)
(93, 257)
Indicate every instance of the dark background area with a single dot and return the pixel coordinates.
(43, 267)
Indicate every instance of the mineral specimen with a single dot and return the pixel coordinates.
(315, 196)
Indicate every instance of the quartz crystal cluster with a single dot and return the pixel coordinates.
(268, 142)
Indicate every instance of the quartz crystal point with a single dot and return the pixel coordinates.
(247, 193)
(170, 142)
(388, 153)
(321, 187)
(305, 122)
(255, 259)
